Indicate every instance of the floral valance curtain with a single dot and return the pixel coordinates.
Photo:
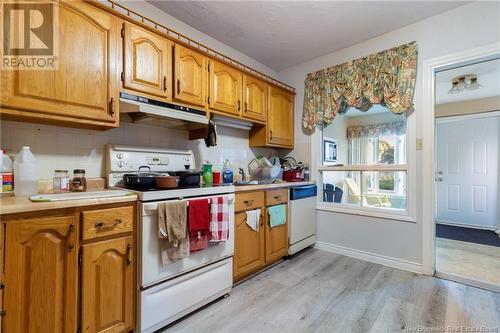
(376, 130)
(386, 78)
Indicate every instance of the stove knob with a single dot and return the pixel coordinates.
(120, 164)
(119, 156)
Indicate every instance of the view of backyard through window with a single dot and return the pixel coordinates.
(369, 148)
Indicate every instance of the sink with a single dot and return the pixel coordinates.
(243, 183)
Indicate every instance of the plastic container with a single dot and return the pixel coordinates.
(6, 177)
(227, 173)
(79, 182)
(60, 181)
(25, 173)
(207, 175)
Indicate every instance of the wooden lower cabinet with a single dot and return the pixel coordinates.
(254, 250)
(276, 241)
(249, 247)
(56, 282)
(41, 275)
(108, 286)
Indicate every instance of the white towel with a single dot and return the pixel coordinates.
(253, 219)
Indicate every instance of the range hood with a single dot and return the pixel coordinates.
(148, 111)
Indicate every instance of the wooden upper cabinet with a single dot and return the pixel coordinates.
(108, 286)
(255, 102)
(280, 118)
(147, 62)
(190, 76)
(225, 88)
(82, 89)
(41, 275)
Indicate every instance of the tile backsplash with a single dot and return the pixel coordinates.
(69, 148)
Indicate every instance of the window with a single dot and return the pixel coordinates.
(370, 166)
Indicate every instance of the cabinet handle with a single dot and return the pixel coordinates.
(246, 107)
(248, 202)
(270, 134)
(111, 106)
(165, 83)
(178, 87)
(129, 247)
(277, 197)
(261, 220)
(239, 105)
(104, 225)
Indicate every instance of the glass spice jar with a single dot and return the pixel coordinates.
(60, 182)
(79, 182)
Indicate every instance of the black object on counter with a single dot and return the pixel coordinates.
(140, 180)
(187, 177)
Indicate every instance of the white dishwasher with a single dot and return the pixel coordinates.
(302, 228)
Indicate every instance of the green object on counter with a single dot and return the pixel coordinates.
(277, 215)
(207, 174)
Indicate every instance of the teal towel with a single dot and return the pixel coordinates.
(277, 215)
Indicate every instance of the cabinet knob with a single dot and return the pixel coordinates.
(129, 248)
(178, 87)
(165, 83)
(111, 106)
(270, 134)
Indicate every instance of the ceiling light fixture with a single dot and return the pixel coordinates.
(464, 82)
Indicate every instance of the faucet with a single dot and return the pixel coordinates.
(242, 173)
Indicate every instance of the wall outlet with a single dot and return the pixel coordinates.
(420, 144)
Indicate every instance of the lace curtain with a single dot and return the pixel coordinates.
(386, 78)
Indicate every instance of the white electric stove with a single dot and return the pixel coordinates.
(167, 293)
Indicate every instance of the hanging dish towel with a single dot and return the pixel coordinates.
(277, 215)
(172, 231)
(253, 219)
(219, 219)
(199, 221)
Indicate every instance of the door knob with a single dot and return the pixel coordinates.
(439, 179)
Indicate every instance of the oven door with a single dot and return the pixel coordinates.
(151, 268)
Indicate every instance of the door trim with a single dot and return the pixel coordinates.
(430, 68)
(481, 115)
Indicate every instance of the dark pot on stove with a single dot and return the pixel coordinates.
(140, 180)
(187, 177)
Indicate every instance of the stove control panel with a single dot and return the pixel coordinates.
(121, 159)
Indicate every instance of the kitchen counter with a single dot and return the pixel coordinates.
(262, 187)
(13, 204)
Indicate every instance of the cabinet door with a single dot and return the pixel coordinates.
(2, 281)
(82, 87)
(280, 118)
(41, 275)
(108, 286)
(225, 88)
(190, 80)
(147, 62)
(276, 241)
(254, 98)
(248, 247)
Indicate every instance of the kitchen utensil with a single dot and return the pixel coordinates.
(167, 181)
(187, 178)
(140, 180)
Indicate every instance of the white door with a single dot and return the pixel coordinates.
(467, 171)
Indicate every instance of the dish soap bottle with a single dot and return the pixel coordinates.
(227, 173)
(25, 174)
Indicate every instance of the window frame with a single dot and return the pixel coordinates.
(407, 215)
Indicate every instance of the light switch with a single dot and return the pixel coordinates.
(420, 144)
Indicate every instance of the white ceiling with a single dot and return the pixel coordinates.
(281, 34)
(488, 76)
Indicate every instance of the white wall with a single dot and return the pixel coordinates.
(69, 148)
(469, 26)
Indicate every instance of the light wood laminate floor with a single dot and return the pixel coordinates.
(470, 260)
(318, 291)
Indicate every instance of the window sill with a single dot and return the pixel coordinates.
(363, 211)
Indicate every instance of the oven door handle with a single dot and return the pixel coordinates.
(152, 207)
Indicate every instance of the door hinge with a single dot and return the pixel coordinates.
(122, 76)
(122, 32)
(80, 259)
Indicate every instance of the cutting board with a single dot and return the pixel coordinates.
(79, 195)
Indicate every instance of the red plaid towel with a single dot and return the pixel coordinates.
(219, 219)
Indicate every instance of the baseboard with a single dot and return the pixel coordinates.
(471, 226)
(371, 257)
(468, 281)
